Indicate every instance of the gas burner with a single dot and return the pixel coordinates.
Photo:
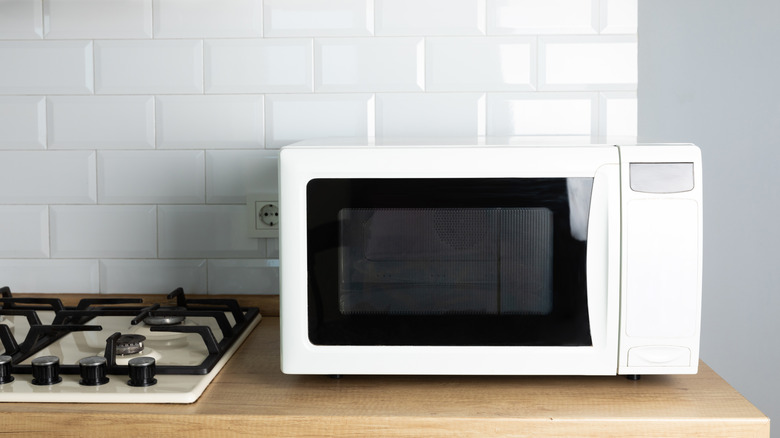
(146, 330)
(130, 344)
(161, 318)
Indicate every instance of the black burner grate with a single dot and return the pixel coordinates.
(73, 319)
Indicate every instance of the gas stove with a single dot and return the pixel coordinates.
(116, 350)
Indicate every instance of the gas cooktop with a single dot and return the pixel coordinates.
(116, 350)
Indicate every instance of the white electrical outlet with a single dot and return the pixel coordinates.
(263, 216)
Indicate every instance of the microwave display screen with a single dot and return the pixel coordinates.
(477, 261)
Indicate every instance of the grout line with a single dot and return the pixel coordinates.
(371, 116)
(94, 68)
(373, 18)
(314, 69)
(49, 229)
(43, 21)
(155, 146)
(483, 9)
(537, 62)
(46, 122)
(205, 176)
(152, 14)
(598, 11)
(597, 122)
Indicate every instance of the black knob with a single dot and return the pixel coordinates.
(142, 371)
(93, 371)
(5, 369)
(46, 370)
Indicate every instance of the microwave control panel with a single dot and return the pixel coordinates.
(661, 239)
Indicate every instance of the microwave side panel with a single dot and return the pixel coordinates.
(298, 166)
(292, 255)
(661, 189)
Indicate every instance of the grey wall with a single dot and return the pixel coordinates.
(709, 73)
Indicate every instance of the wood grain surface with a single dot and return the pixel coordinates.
(251, 397)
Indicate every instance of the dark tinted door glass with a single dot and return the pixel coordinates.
(448, 261)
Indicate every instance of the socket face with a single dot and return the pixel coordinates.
(268, 214)
(262, 217)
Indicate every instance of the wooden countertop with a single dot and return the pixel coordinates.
(251, 397)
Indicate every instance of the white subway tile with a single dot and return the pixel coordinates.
(151, 177)
(619, 16)
(101, 122)
(542, 114)
(369, 64)
(588, 85)
(20, 19)
(22, 122)
(208, 18)
(232, 175)
(430, 114)
(256, 277)
(148, 67)
(206, 231)
(46, 67)
(480, 64)
(106, 231)
(47, 177)
(210, 121)
(588, 63)
(430, 17)
(272, 247)
(537, 17)
(50, 276)
(24, 231)
(290, 118)
(97, 18)
(258, 65)
(286, 18)
(119, 276)
(618, 116)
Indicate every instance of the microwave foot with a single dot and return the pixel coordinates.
(334, 376)
(633, 377)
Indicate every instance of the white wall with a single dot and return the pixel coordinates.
(132, 130)
(708, 72)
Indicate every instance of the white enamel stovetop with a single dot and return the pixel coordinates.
(166, 348)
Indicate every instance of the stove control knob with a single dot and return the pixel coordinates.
(5, 369)
(142, 371)
(93, 371)
(46, 370)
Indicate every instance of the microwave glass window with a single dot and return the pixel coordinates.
(431, 261)
(448, 261)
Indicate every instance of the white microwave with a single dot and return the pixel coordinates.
(490, 258)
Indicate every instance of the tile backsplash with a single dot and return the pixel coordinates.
(131, 131)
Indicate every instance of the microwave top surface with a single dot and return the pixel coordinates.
(483, 157)
(469, 141)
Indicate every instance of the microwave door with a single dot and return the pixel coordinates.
(399, 262)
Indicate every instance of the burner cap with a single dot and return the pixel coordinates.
(130, 344)
(160, 318)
